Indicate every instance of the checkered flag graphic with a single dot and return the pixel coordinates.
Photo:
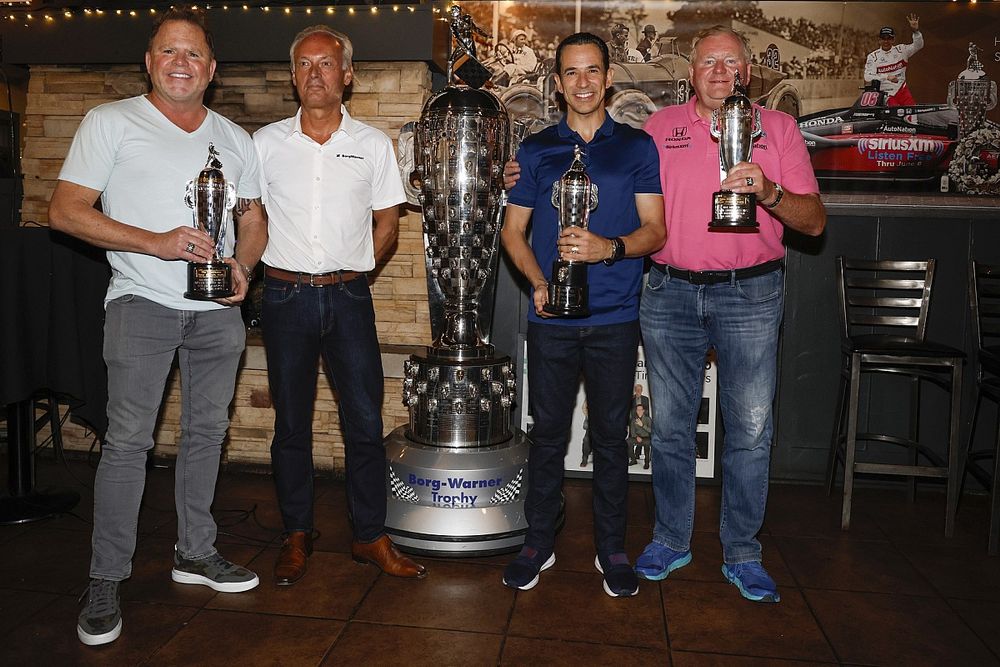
(509, 492)
(402, 490)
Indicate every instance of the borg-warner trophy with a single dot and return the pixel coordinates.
(211, 199)
(575, 197)
(456, 473)
(735, 125)
(973, 94)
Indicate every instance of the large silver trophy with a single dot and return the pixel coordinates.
(575, 197)
(211, 199)
(735, 125)
(973, 94)
(456, 475)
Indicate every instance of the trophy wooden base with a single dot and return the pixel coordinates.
(208, 281)
(568, 290)
(733, 212)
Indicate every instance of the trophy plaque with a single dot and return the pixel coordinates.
(456, 473)
(735, 125)
(575, 197)
(211, 199)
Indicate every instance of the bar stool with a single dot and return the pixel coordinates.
(883, 323)
(984, 301)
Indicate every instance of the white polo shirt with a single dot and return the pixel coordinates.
(320, 198)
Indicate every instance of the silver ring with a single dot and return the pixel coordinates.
(190, 247)
(749, 181)
(575, 250)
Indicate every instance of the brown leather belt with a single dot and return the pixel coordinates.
(312, 279)
(715, 277)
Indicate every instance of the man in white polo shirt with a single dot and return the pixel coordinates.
(332, 191)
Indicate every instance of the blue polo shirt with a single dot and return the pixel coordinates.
(622, 162)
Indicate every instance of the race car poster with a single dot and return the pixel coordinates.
(897, 96)
(579, 461)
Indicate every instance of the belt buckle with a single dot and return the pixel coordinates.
(311, 283)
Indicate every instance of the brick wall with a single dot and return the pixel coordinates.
(384, 95)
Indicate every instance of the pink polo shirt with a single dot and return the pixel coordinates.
(689, 174)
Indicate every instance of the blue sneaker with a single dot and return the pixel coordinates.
(657, 561)
(522, 572)
(753, 581)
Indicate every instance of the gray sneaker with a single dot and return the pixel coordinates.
(213, 571)
(101, 619)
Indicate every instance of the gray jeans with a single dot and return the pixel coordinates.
(140, 339)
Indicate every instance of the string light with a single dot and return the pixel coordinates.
(69, 13)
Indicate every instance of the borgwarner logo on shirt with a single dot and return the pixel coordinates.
(348, 155)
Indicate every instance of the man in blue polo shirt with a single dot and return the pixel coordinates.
(626, 225)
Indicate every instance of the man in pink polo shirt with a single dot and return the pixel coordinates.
(722, 290)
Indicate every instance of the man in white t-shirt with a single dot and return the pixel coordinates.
(138, 155)
(887, 64)
(332, 190)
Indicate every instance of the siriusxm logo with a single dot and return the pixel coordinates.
(901, 144)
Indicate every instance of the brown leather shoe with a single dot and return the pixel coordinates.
(291, 563)
(383, 554)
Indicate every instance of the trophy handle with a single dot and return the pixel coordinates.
(555, 195)
(189, 197)
(713, 126)
(220, 244)
(758, 127)
(992, 97)
(951, 93)
(593, 196)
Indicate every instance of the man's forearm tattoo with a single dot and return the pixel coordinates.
(243, 205)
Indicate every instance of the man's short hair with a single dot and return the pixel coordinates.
(886, 31)
(347, 49)
(192, 16)
(722, 30)
(579, 39)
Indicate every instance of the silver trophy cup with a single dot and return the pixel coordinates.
(211, 199)
(735, 125)
(575, 197)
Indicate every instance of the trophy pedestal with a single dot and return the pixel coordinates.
(211, 280)
(733, 211)
(456, 502)
(568, 290)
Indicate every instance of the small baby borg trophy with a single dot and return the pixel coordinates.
(211, 199)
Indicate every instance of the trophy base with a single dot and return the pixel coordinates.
(456, 502)
(733, 212)
(568, 290)
(208, 281)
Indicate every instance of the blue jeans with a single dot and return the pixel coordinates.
(680, 321)
(557, 355)
(335, 322)
(141, 339)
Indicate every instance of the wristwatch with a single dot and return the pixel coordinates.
(779, 192)
(617, 251)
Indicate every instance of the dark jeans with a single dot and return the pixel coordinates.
(557, 355)
(336, 322)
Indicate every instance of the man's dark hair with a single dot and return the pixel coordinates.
(579, 39)
(192, 16)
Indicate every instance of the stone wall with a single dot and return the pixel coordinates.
(384, 95)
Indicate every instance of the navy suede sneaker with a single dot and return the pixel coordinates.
(522, 572)
(753, 581)
(619, 577)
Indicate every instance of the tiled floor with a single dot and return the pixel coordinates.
(892, 591)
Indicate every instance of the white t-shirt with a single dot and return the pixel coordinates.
(883, 64)
(319, 198)
(141, 163)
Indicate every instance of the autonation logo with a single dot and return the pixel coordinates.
(902, 144)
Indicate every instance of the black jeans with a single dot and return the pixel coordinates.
(557, 355)
(301, 324)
